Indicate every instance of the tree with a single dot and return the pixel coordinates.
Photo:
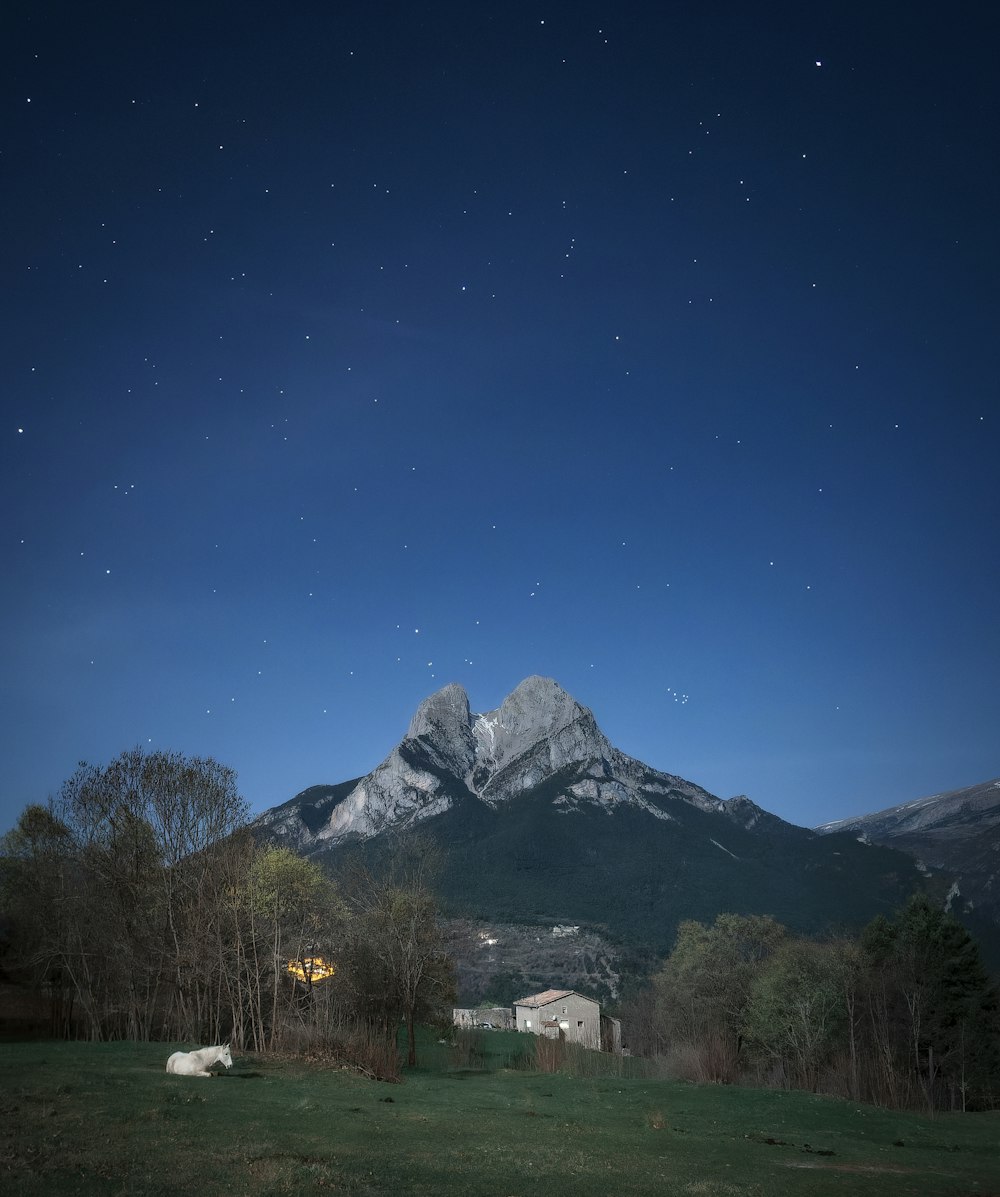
(703, 989)
(126, 913)
(36, 865)
(796, 1013)
(294, 905)
(935, 1005)
(396, 962)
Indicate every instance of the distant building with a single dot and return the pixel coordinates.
(496, 1017)
(560, 1013)
(611, 1034)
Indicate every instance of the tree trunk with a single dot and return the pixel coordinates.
(411, 1039)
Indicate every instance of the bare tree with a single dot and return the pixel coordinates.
(125, 900)
(394, 948)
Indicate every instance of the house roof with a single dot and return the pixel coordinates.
(549, 995)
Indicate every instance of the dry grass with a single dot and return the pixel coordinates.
(346, 1043)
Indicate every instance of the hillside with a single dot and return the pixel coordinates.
(957, 831)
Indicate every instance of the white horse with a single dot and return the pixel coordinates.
(198, 1063)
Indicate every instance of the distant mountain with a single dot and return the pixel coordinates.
(957, 832)
(545, 824)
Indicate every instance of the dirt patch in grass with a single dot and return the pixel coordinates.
(879, 1168)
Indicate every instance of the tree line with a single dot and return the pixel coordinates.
(141, 905)
(904, 1015)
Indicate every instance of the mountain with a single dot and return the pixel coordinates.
(449, 754)
(958, 832)
(544, 824)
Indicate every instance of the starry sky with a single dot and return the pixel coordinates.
(351, 349)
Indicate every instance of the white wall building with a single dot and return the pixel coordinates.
(560, 1011)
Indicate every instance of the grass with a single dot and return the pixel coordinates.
(106, 1119)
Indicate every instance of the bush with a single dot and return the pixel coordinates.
(346, 1043)
(573, 1059)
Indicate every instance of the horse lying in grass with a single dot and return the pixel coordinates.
(198, 1063)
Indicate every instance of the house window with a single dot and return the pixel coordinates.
(580, 1024)
(564, 1010)
(527, 1024)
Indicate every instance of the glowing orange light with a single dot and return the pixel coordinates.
(311, 969)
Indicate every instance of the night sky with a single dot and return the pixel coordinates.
(351, 349)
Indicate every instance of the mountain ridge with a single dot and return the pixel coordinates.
(957, 831)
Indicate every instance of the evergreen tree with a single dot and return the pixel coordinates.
(937, 1002)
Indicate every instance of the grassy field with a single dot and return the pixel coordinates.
(105, 1118)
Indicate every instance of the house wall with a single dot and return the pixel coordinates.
(579, 1019)
(611, 1034)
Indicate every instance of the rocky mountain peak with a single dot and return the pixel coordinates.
(537, 729)
(539, 706)
(442, 727)
(748, 814)
(445, 713)
(450, 752)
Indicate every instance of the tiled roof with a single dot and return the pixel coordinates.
(543, 999)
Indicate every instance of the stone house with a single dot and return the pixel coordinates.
(560, 1012)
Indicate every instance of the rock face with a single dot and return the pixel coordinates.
(957, 831)
(537, 732)
(407, 786)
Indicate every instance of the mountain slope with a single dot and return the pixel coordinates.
(957, 831)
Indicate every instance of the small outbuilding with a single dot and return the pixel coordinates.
(497, 1018)
(560, 1013)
